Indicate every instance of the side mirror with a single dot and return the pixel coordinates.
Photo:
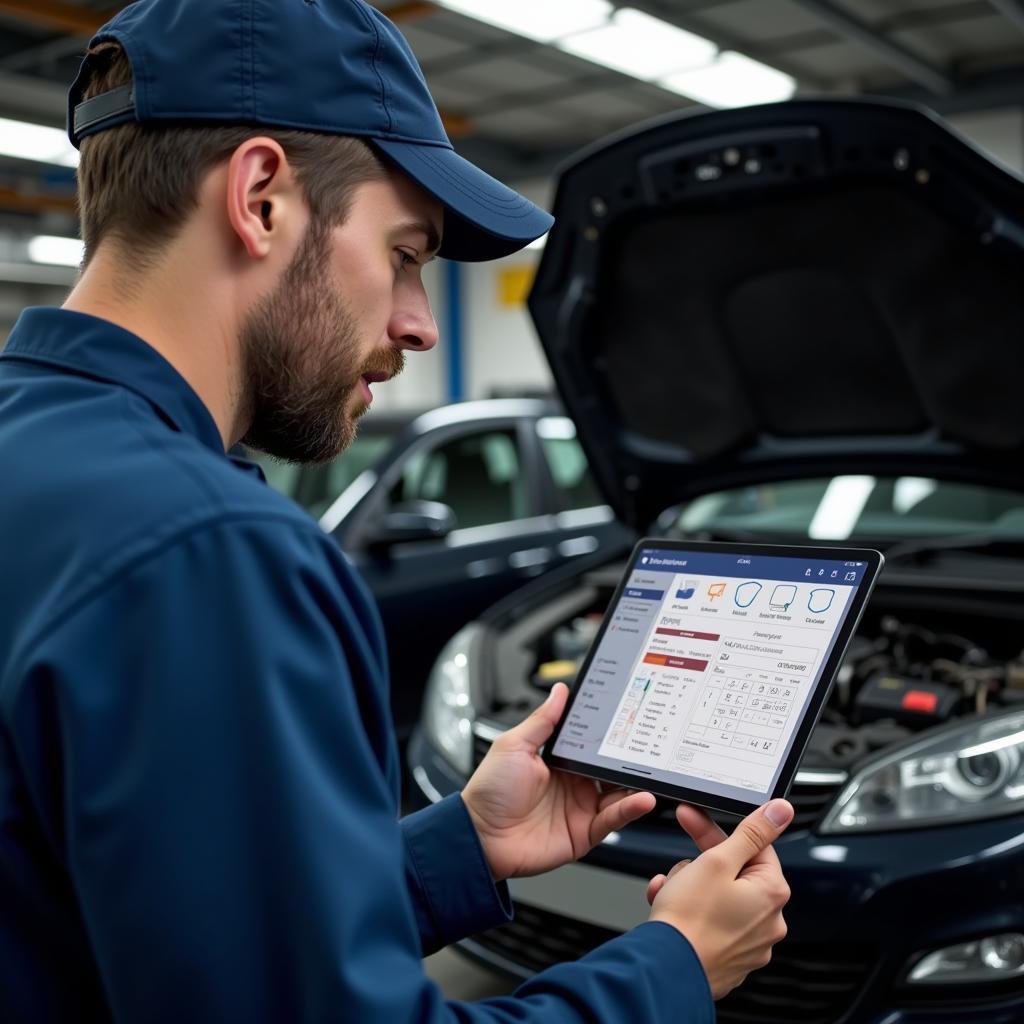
(413, 521)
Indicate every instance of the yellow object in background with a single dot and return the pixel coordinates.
(514, 285)
(556, 671)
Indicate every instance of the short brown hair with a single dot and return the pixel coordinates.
(138, 183)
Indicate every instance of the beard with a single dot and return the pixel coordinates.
(301, 368)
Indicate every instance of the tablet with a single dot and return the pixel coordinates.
(711, 667)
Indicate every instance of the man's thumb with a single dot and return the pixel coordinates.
(536, 729)
(757, 831)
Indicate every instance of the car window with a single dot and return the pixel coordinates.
(315, 488)
(477, 475)
(568, 464)
(842, 507)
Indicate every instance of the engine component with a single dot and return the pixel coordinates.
(571, 641)
(551, 672)
(842, 746)
(912, 702)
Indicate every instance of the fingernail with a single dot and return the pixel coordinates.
(779, 813)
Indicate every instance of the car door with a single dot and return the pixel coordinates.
(427, 589)
(582, 522)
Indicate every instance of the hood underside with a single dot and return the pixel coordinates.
(797, 289)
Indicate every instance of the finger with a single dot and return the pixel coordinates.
(619, 814)
(699, 827)
(535, 730)
(756, 832)
(654, 887)
(609, 797)
(677, 867)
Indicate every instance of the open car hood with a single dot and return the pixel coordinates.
(797, 289)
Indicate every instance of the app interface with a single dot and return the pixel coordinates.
(706, 667)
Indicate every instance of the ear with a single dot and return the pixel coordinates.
(260, 194)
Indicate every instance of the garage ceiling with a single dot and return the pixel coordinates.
(518, 106)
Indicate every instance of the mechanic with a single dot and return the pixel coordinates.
(198, 779)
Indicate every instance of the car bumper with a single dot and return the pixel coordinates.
(863, 909)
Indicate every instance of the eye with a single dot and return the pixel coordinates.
(406, 259)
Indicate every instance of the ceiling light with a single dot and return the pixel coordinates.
(36, 142)
(641, 45)
(63, 252)
(732, 81)
(543, 20)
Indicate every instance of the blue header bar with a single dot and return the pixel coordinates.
(732, 566)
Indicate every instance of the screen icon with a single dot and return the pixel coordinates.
(835, 573)
(851, 575)
(716, 590)
(808, 573)
(782, 597)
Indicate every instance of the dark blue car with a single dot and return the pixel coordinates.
(448, 510)
(800, 322)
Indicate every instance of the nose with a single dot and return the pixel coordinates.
(412, 324)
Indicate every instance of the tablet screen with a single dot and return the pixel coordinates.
(707, 664)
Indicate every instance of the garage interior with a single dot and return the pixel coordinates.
(523, 87)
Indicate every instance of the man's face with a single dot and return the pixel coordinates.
(349, 304)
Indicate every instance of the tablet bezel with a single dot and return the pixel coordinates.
(813, 709)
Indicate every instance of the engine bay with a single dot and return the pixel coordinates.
(907, 669)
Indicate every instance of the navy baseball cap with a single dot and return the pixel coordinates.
(333, 66)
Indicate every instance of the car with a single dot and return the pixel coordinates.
(799, 322)
(445, 511)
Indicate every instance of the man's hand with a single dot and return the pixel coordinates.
(728, 902)
(531, 819)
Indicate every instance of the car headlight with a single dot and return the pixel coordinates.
(448, 710)
(963, 773)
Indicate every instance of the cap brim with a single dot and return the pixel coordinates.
(484, 219)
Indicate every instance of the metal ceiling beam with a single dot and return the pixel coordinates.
(915, 68)
(1012, 10)
(725, 40)
(520, 47)
(54, 14)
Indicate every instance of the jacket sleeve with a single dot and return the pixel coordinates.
(450, 884)
(210, 744)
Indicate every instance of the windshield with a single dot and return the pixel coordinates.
(864, 507)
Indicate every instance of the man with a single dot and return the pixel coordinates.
(198, 783)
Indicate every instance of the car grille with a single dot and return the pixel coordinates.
(802, 984)
(809, 800)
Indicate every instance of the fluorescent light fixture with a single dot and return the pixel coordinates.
(62, 252)
(543, 20)
(641, 45)
(732, 81)
(36, 142)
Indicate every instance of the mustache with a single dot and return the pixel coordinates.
(390, 363)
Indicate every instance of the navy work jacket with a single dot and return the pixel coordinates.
(198, 778)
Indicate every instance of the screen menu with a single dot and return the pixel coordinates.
(706, 666)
